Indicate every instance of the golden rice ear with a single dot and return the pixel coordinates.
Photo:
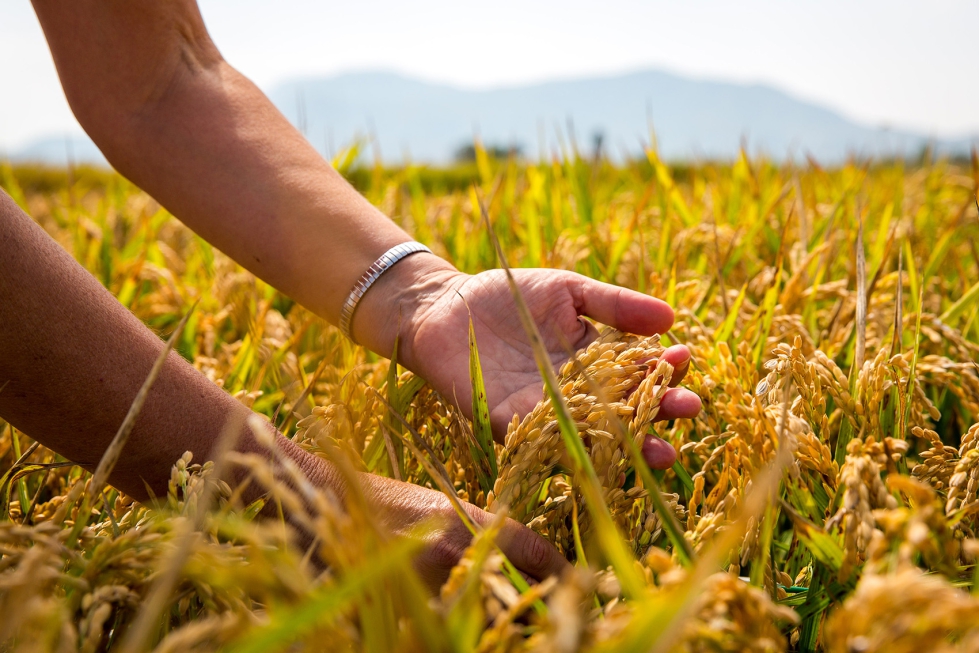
(762, 264)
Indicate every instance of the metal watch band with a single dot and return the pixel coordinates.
(376, 269)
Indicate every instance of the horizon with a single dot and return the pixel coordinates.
(362, 93)
(505, 86)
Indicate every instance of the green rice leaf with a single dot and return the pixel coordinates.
(483, 453)
(608, 534)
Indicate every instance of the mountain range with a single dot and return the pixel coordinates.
(693, 119)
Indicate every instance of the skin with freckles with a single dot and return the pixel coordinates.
(152, 90)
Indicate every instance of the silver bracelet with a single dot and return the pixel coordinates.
(376, 269)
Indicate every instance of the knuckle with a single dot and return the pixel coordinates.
(477, 515)
(445, 551)
(538, 553)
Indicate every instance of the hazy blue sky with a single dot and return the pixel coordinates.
(882, 62)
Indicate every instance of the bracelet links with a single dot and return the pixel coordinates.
(373, 273)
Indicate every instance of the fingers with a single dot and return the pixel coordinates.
(634, 312)
(658, 453)
(529, 552)
(679, 357)
(626, 310)
(676, 403)
(679, 403)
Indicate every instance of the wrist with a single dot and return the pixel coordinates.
(399, 300)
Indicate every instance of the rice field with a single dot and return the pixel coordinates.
(826, 498)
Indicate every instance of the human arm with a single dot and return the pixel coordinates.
(72, 360)
(151, 89)
(149, 86)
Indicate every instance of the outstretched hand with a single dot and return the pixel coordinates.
(437, 346)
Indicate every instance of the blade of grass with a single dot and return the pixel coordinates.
(768, 312)
(19, 459)
(607, 533)
(17, 473)
(161, 590)
(579, 547)
(914, 285)
(287, 625)
(909, 392)
(286, 422)
(897, 339)
(672, 528)
(727, 327)
(684, 477)
(21, 482)
(821, 544)
(466, 617)
(394, 448)
(114, 450)
(659, 619)
(962, 305)
(674, 531)
(860, 331)
(764, 546)
(813, 609)
(939, 251)
(436, 470)
(111, 455)
(861, 318)
(485, 455)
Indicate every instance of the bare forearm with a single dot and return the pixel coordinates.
(72, 360)
(218, 155)
(204, 141)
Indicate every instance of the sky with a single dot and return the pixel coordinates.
(900, 64)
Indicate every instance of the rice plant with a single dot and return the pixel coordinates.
(826, 498)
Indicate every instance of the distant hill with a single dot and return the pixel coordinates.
(693, 119)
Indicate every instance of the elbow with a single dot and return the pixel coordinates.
(109, 119)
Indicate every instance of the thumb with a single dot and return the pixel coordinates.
(529, 552)
(620, 308)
